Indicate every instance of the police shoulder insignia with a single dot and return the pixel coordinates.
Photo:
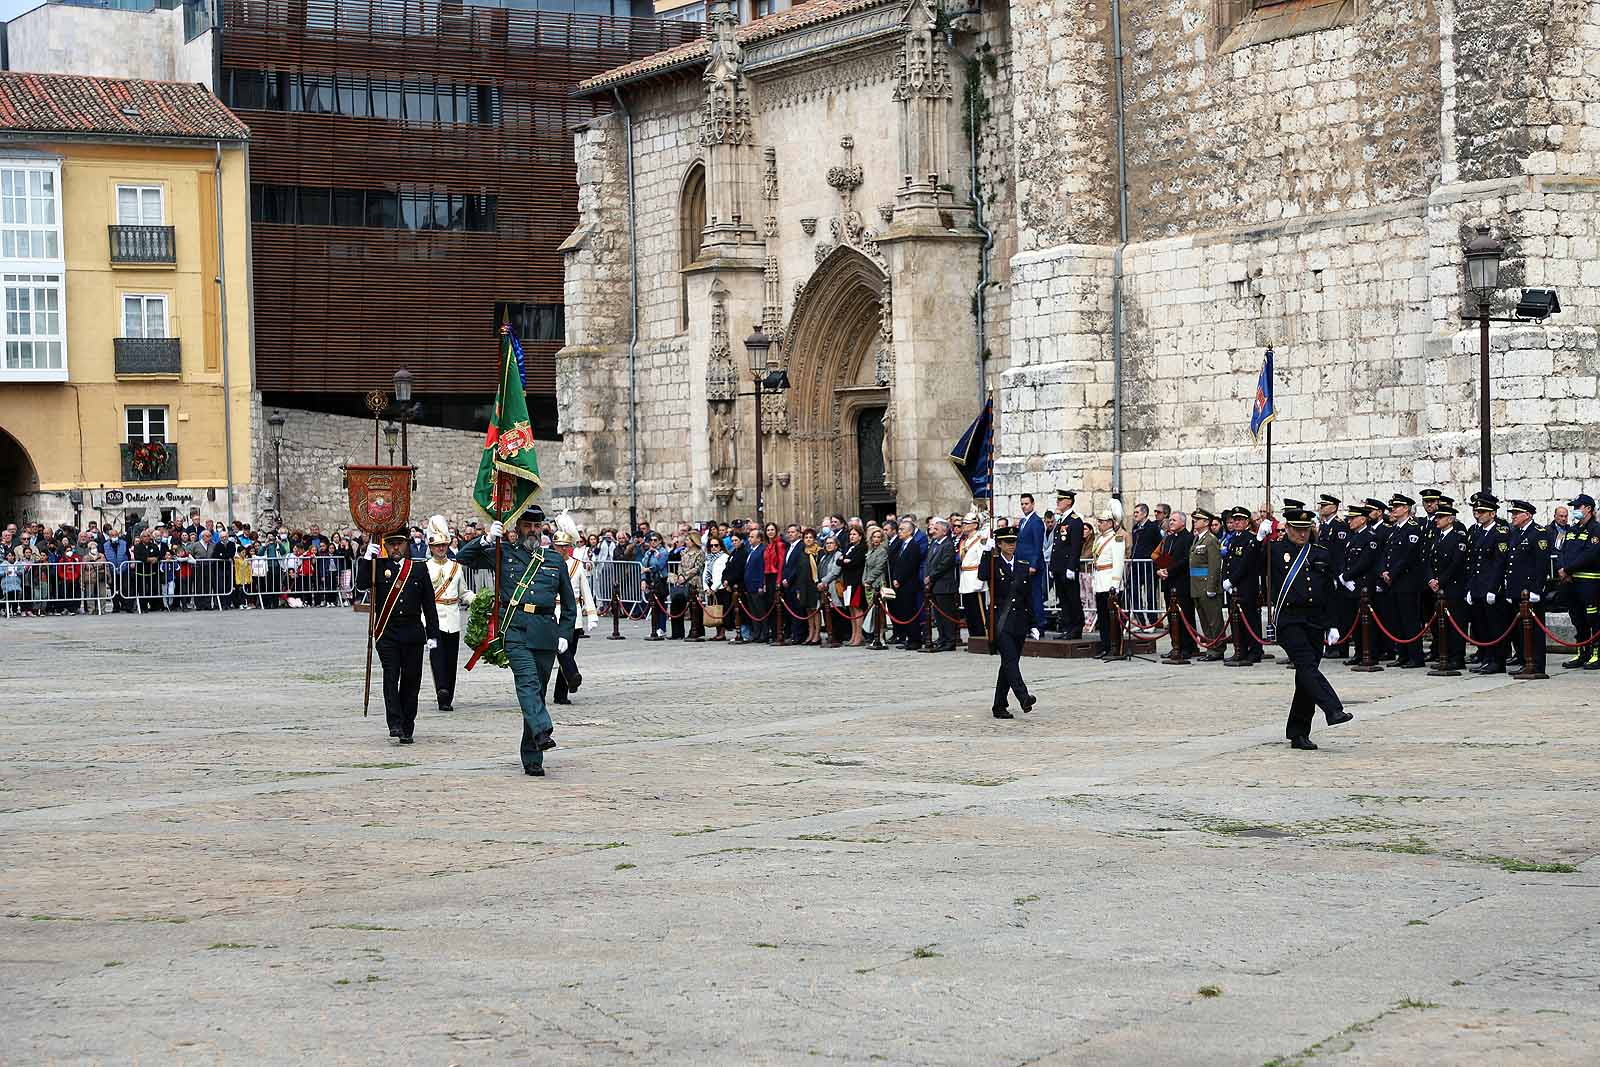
(1413, 538)
(1504, 547)
(1543, 543)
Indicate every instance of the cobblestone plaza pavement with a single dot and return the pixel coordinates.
(753, 856)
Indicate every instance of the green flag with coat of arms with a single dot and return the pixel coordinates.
(508, 471)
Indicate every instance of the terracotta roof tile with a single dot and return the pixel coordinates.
(67, 103)
(806, 14)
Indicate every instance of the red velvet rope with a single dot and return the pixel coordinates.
(1564, 644)
(1481, 644)
(1219, 639)
(1409, 640)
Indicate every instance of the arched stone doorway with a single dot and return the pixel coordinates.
(18, 479)
(831, 350)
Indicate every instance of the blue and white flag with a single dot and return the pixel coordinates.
(1264, 410)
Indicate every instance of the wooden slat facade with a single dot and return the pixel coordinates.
(337, 308)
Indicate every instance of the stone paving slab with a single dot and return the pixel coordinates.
(762, 856)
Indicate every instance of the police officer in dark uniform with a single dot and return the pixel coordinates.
(1579, 571)
(1013, 617)
(1304, 600)
(1429, 499)
(1402, 573)
(1486, 570)
(405, 626)
(1242, 582)
(1381, 529)
(1333, 533)
(1358, 562)
(1066, 556)
(1447, 581)
(532, 581)
(1528, 571)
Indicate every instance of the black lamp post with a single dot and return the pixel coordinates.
(1483, 278)
(275, 422)
(402, 401)
(391, 434)
(758, 346)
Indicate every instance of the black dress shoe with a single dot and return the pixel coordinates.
(1002, 713)
(1336, 718)
(407, 741)
(1305, 744)
(1410, 666)
(546, 743)
(535, 772)
(394, 733)
(1027, 705)
(560, 700)
(446, 707)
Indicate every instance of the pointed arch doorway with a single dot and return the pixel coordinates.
(832, 349)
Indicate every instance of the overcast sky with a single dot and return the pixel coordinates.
(10, 9)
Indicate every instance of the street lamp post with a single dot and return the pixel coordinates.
(769, 379)
(391, 434)
(402, 400)
(1483, 278)
(275, 422)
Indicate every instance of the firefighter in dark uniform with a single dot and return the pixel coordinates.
(1011, 596)
(1528, 571)
(1333, 533)
(1486, 572)
(1402, 573)
(1304, 600)
(533, 580)
(406, 625)
(1066, 556)
(1447, 581)
(1358, 561)
(1429, 499)
(1580, 572)
(1242, 581)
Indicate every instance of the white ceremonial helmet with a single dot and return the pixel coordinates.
(438, 531)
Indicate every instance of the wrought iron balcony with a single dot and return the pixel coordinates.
(148, 355)
(150, 462)
(143, 244)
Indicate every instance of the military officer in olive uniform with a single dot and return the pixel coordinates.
(1528, 571)
(1205, 581)
(406, 626)
(532, 581)
(1303, 605)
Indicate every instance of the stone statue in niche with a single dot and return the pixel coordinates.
(723, 431)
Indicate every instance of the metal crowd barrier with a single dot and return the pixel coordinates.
(616, 579)
(81, 587)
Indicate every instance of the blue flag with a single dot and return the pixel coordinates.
(522, 362)
(1264, 410)
(971, 454)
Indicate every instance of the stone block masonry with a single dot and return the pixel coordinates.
(316, 446)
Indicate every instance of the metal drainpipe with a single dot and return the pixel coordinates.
(222, 314)
(983, 253)
(633, 329)
(1122, 244)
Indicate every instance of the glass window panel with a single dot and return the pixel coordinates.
(348, 208)
(383, 209)
(314, 207)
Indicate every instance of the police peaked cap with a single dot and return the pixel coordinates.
(1329, 498)
(1357, 511)
(1298, 505)
(1485, 502)
(1066, 494)
(1006, 533)
(1202, 513)
(1521, 505)
(1400, 498)
(1447, 510)
(1430, 494)
(1374, 504)
(1299, 518)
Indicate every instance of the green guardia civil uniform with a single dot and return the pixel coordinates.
(532, 582)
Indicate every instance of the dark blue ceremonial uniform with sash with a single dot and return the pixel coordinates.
(406, 619)
(1304, 603)
(532, 582)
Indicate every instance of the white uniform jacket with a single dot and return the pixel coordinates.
(1108, 554)
(450, 593)
(970, 550)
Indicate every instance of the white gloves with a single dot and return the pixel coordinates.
(373, 550)
(1534, 598)
(1071, 576)
(1350, 586)
(561, 646)
(1469, 599)
(1211, 596)
(594, 620)
(496, 529)
(430, 645)
(467, 595)
(1489, 597)
(1333, 635)
(1227, 585)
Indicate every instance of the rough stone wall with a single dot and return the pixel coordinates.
(316, 446)
(1330, 121)
(992, 67)
(1299, 194)
(1062, 117)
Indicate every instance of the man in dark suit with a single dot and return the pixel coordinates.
(1172, 562)
(1012, 598)
(943, 583)
(733, 585)
(1030, 550)
(406, 626)
(905, 569)
(795, 570)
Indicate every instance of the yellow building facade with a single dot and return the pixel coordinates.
(125, 333)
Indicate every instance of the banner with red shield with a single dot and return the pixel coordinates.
(380, 498)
